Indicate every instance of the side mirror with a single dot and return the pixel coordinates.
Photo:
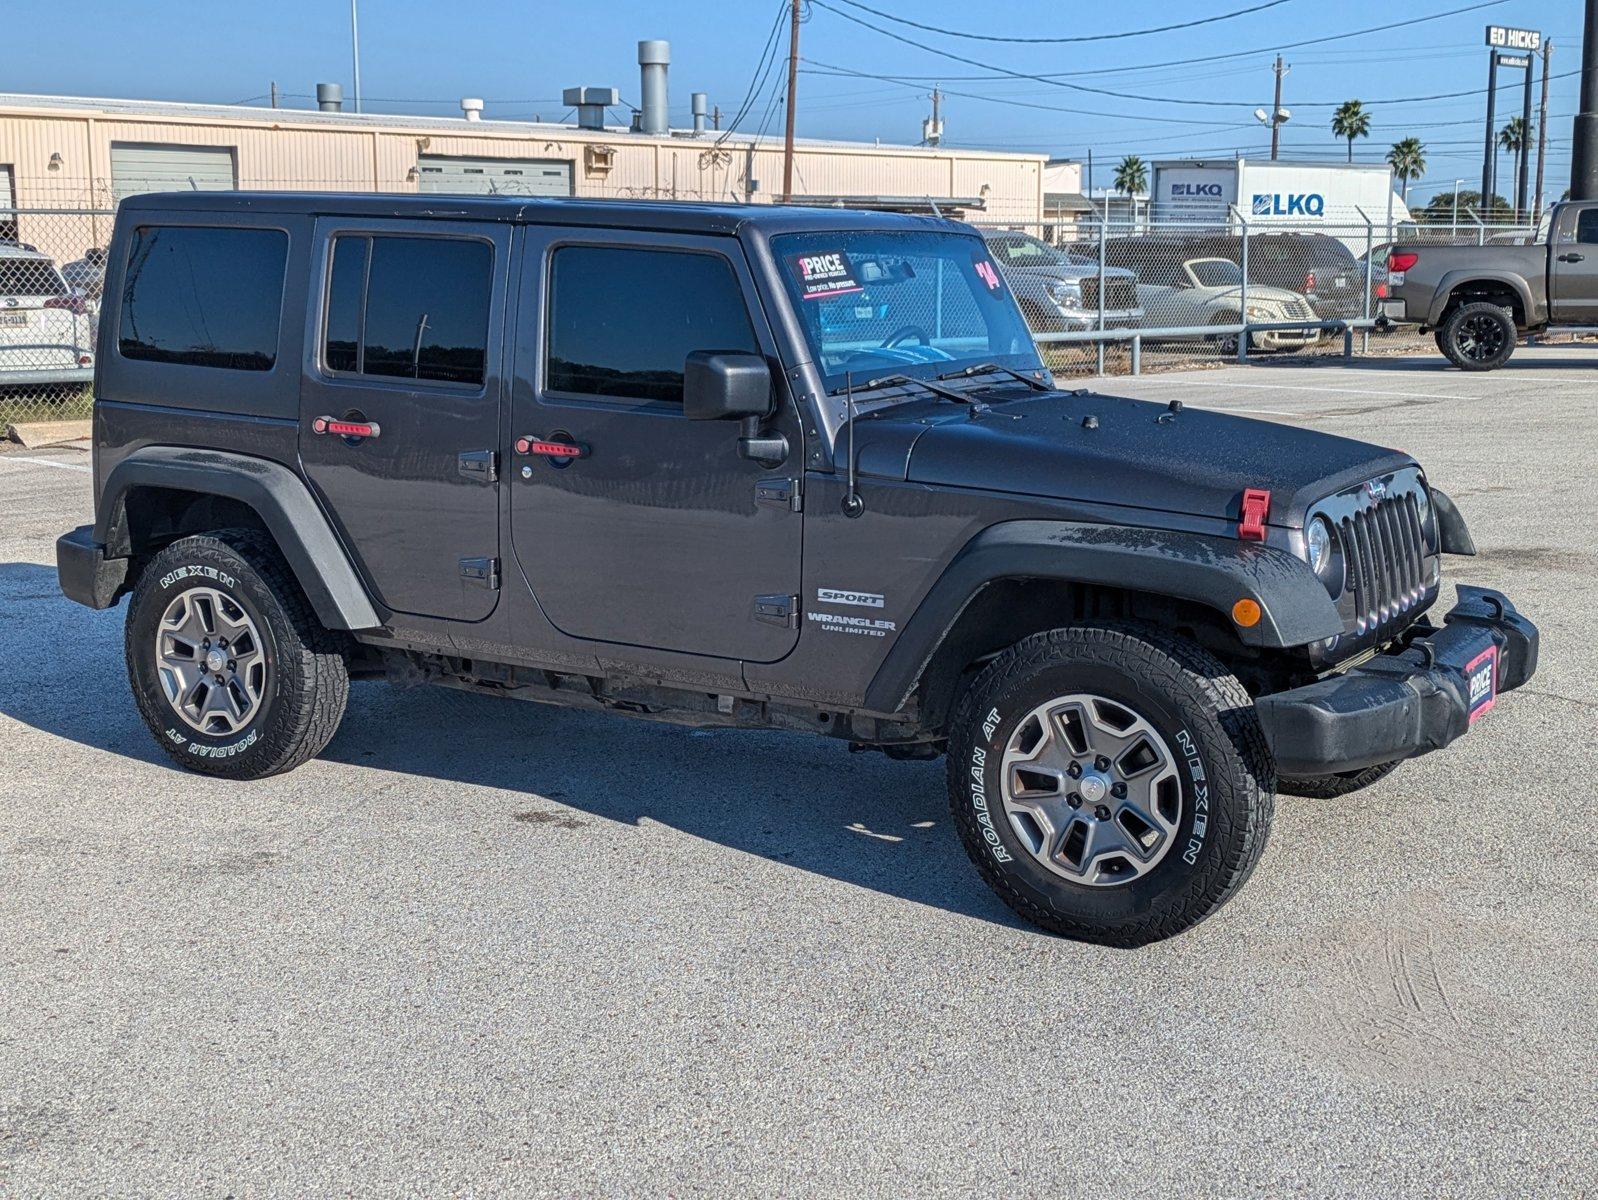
(724, 386)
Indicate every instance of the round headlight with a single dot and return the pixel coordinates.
(1321, 544)
(1423, 504)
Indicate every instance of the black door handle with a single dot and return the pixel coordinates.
(1572, 257)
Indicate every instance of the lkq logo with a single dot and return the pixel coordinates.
(1209, 191)
(1289, 204)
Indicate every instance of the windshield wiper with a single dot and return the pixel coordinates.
(987, 368)
(882, 381)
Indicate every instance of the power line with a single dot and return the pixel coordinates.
(757, 81)
(1097, 37)
(1182, 62)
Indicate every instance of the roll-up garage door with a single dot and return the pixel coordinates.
(8, 202)
(136, 168)
(494, 176)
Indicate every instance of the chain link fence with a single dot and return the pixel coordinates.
(1104, 295)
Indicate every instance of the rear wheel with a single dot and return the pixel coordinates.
(1479, 336)
(1110, 782)
(231, 670)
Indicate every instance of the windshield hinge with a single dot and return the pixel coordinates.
(781, 493)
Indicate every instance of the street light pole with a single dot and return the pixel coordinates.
(1276, 107)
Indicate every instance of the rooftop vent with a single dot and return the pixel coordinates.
(329, 97)
(654, 57)
(471, 108)
(590, 103)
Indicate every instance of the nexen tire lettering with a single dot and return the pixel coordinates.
(1201, 797)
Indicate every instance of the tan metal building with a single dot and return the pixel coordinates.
(65, 153)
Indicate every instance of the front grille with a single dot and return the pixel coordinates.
(1119, 294)
(1386, 558)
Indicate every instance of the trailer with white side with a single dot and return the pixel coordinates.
(1337, 199)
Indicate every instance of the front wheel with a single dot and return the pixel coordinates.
(1110, 782)
(231, 670)
(1479, 336)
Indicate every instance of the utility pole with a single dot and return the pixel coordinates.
(1280, 69)
(1584, 142)
(274, 93)
(932, 131)
(1490, 153)
(715, 117)
(793, 87)
(1522, 170)
(1542, 136)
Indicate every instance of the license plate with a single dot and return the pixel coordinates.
(1481, 675)
(13, 318)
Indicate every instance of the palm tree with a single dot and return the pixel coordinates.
(1351, 121)
(1511, 138)
(1132, 176)
(1408, 160)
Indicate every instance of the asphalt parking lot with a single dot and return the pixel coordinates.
(488, 948)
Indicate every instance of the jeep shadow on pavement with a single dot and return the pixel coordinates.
(754, 467)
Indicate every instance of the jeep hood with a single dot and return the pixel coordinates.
(1134, 452)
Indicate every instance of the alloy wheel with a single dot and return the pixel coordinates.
(211, 661)
(1091, 789)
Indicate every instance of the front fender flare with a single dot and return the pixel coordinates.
(1213, 571)
(276, 493)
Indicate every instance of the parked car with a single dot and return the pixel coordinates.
(1312, 265)
(1208, 291)
(46, 332)
(1478, 300)
(1058, 291)
(636, 457)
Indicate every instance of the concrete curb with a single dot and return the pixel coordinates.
(34, 434)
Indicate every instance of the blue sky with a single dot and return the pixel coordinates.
(420, 57)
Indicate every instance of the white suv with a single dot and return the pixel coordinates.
(46, 328)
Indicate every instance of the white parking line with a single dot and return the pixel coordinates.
(43, 462)
(1288, 387)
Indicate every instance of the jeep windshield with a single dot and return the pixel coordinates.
(917, 304)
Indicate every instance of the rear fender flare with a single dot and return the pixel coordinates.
(1213, 571)
(274, 492)
(1450, 283)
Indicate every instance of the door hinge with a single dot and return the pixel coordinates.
(781, 493)
(781, 611)
(480, 466)
(484, 572)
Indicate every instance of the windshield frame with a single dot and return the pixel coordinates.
(833, 383)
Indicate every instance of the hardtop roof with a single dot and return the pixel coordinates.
(676, 216)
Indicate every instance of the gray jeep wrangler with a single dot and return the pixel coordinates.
(753, 467)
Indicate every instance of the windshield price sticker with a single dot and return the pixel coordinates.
(986, 271)
(823, 275)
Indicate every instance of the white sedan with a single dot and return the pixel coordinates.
(46, 328)
(1209, 291)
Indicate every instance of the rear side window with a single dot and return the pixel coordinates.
(29, 277)
(1587, 226)
(203, 297)
(622, 322)
(409, 308)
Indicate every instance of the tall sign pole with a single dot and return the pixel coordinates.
(1516, 48)
(793, 85)
(1584, 159)
(1488, 152)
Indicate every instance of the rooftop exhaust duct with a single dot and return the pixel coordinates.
(590, 103)
(471, 108)
(329, 97)
(653, 58)
(701, 105)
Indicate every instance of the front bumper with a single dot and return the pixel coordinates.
(1408, 702)
(85, 573)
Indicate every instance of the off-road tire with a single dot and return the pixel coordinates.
(1330, 787)
(307, 681)
(1202, 712)
(1454, 325)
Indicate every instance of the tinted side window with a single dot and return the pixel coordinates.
(622, 322)
(203, 297)
(410, 308)
(1587, 225)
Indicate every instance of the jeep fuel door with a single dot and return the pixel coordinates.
(400, 405)
(653, 530)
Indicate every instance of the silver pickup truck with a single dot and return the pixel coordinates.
(1478, 300)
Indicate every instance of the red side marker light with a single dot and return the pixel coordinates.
(1256, 507)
